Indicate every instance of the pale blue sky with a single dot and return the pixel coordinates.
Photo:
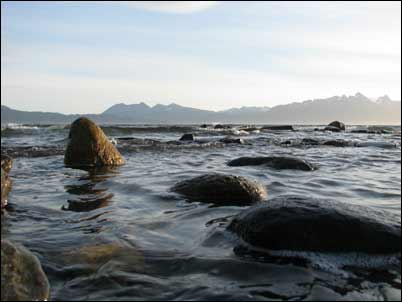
(83, 57)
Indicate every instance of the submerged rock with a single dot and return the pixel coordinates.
(221, 190)
(6, 163)
(382, 145)
(339, 125)
(5, 187)
(279, 128)
(279, 163)
(337, 143)
(381, 130)
(89, 146)
(306, 224)
(310, 142)
(188, 137)
(96, 255)
(22, 277)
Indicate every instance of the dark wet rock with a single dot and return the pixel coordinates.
(337, 143)
(288, 142)
(279, 163)
(188, 137)
(204, 126)
(22, 277)
(310, 141)
(341, 126)
(221, 190)
(5, 187)
(6, 163)
(89, 147)
(219, 126)
(382, 145)
(279, 128)
(332, 129)
(126, 138)
(307, 224)
(232, 140)
(381, 129)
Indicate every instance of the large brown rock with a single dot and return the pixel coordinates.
(22, 277)
(89, 147)
(221, 190)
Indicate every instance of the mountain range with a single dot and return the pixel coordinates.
(356, 109)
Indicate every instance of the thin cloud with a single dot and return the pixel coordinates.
(175, 7)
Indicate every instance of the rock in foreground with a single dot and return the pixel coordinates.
(89, 147)
(6, 163)
(279, 163)
(306, 224)
(221, 190)
(22, 277)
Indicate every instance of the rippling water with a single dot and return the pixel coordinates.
(120, 234)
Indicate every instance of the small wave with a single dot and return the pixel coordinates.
(149, 145)
(334, 262)
(124, 130)
(33, 151)
(20, 126)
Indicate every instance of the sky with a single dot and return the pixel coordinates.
(81, 57)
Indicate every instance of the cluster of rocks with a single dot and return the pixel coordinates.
(283, 223)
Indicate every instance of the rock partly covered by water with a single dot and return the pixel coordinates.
(6, 164)
(89, 147)
(279, 128)
(221, 190)
(188, 137)
(337, 143)
(220, 127)
(306, 224)
(22, 277)
(279, 163)
(336, 126)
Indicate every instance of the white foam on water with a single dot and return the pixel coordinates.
(239, 132)
(20, 126)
